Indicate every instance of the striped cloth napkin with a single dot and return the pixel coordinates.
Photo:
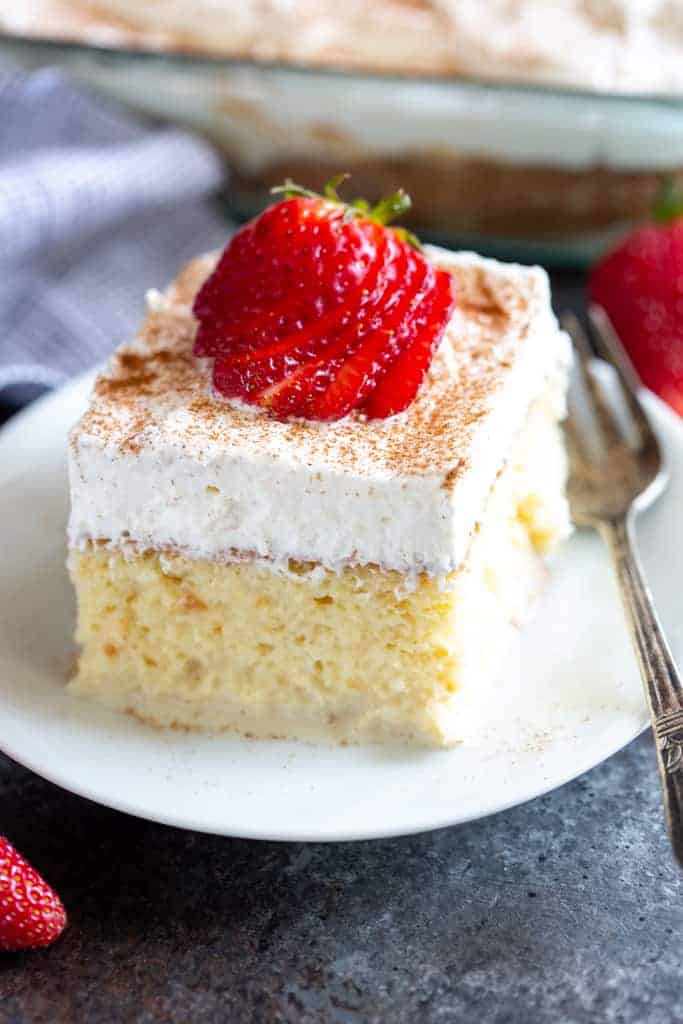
(95, 208)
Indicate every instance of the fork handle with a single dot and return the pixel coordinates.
(658, 670)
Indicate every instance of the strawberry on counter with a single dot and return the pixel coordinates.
(640, 285)
(31, 913)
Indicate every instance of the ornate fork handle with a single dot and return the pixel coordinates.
(660, 676)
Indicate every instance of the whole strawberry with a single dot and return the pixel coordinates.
(317, 308)
(31, 913)
(640, 285)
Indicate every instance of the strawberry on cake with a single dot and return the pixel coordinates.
(312, 498)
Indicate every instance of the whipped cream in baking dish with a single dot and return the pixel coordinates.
(268, 116)
(631, 45)
(161, 462)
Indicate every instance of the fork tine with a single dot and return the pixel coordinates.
(601, 408)
(572, 325)
(575, 437)
(609, 347)
(582, 346)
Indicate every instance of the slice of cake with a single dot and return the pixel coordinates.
(323, 514)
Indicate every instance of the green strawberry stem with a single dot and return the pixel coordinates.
(669, 202)
(388, 209)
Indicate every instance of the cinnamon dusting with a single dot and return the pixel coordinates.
(156, 390)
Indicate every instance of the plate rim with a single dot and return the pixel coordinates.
(354, 835)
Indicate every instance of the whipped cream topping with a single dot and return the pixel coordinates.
(629, 45)
(160, 461)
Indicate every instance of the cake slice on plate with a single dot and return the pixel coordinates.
(313, 497)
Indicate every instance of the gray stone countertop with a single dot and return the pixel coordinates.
(566, 909)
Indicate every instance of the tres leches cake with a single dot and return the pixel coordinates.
(313, 497)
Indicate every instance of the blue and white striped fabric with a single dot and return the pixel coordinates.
(94, 209)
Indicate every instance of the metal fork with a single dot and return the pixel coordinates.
(616, 470)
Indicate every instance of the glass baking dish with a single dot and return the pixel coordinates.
(523, 171)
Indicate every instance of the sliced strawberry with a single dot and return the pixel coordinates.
(298, 275)
(314, 302)
(399, 385)
(352, 335)
(285, 377)
(309, 303)
(361, 368)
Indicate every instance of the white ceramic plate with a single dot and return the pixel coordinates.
(570, 696)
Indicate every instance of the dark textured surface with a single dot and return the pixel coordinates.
(565, 910)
